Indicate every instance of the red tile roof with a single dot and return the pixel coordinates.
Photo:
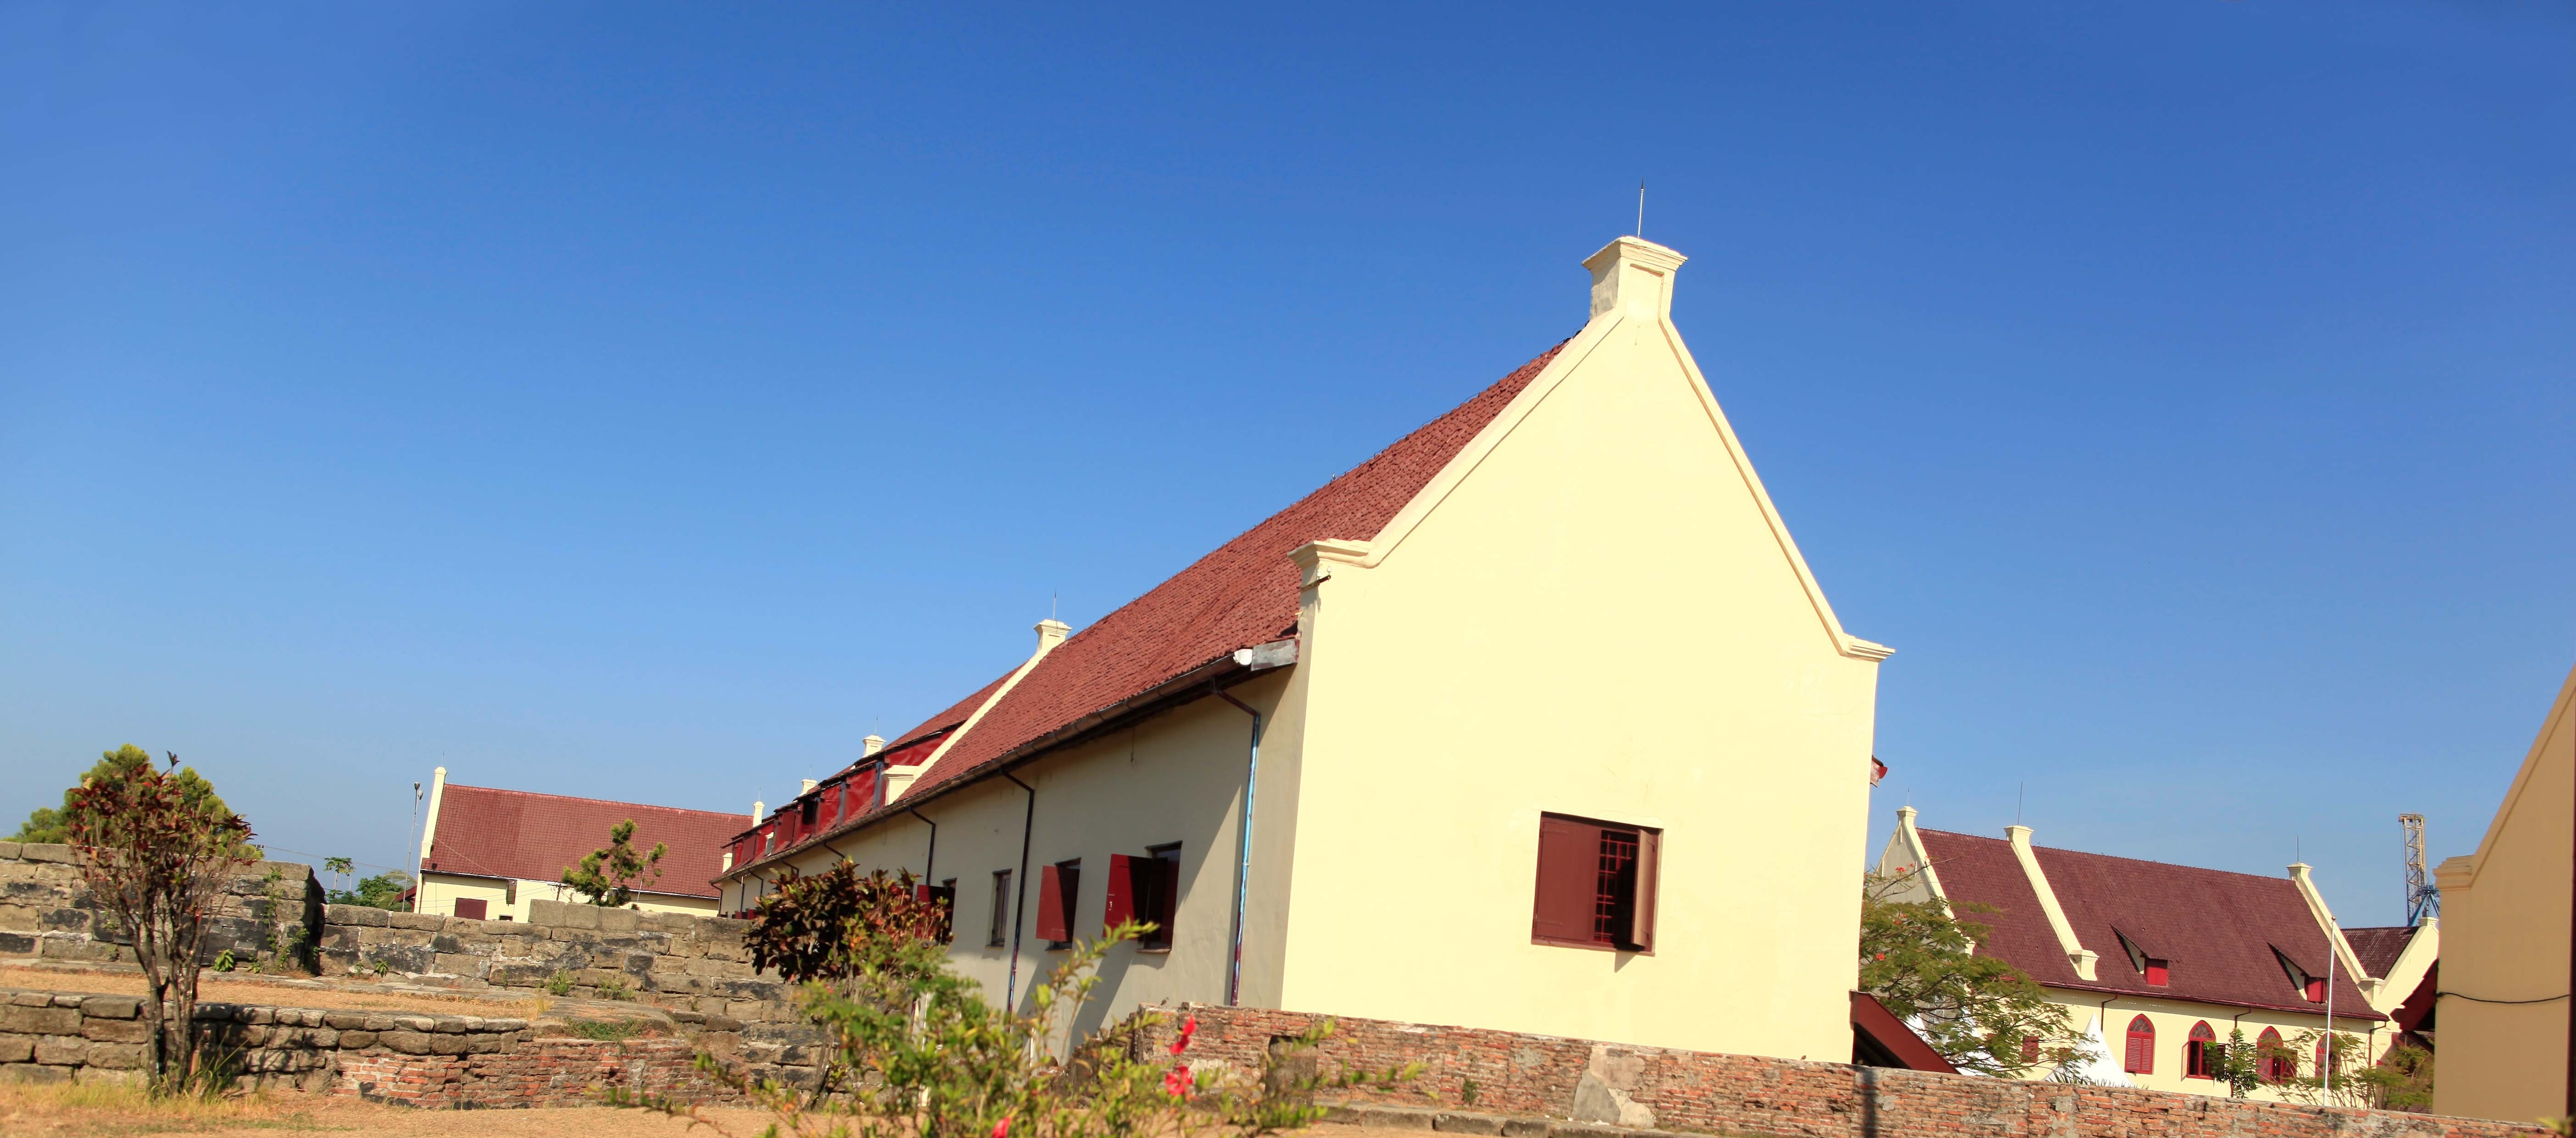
(2217, 930)
(2380, 946)
(1241, 595)
(535, 837)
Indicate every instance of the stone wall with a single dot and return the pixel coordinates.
(410, 1060)
(671, 960)
(1641, 1087)
(46, 912)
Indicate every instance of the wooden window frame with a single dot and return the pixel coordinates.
(2196, 1049)
(2140, 1058)
(1574, 883)
(1002, 906)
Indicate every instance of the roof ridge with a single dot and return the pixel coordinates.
(2113, 857)
(580, 798)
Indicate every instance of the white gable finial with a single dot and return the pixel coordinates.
(1634, 277)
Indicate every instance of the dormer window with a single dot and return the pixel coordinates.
(2316, 990)
(2159, 973)
(2157, 970)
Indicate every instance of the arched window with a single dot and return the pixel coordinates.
(2142, 1047)
(2325, 1057)
(2273, 1062)
(2200, 1052)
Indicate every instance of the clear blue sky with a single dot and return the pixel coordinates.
(644, 402)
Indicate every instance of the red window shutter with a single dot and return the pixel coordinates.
(1641, 914)
(2316, 991)
(2158, 975)
(2030, 1049)
(471, 909)
(1569, 860)
(1051, 909)
(830, 798)
(1121, 905)
(2142, 1047)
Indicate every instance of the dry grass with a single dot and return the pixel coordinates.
(212, 986)
(97, 1111)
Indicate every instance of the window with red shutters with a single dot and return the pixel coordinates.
(1596, 884)
(2141, 1059)
(471, 908)
(2159, 974)
(830, 798)
(2316, 991)
(809, 816)
(1059, 889)
(2200, 1052)
(1142, 889)
(2273, 1062)
(859, 794)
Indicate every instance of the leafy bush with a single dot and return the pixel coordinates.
(156, 854)
(559, 984)
(614, 988)
(607, 876)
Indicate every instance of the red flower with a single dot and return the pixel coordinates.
(1002, 1129)
(1178, 1081)
(1189, 1027)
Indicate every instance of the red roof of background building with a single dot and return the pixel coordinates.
(2217, 930)
(1241, 595)
(535, 837)
(2380, 946)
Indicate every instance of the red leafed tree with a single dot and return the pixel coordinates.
(154, 860)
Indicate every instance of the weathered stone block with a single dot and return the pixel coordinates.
(61, 1050)
(116, 1056)
(116, 1030)
(460, 964)
(8, 851)
(577, 916)
(406, 1042)
(448, 1025)
(17, 944)
(67, 920)
(17, 1048)
(48, 851)
(358, 915)
(21, 918)
(344, 1020)
(617, 920)
(111, 1007)
(425, 922)
(447, 1044)
(35, 1075)
(30, 999)
(41, 1021)
(357, 1040)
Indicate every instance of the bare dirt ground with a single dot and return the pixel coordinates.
(342, 995)
(118, 1112)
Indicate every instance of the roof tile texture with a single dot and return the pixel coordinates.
(535, 837)
(2216, 929)
(1243, 594)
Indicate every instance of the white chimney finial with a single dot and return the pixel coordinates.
(871, 745)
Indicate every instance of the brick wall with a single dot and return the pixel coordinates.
(1739, 1094)
(671, 960)
(46, 912)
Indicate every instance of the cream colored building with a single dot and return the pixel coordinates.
(2503, 1011)
(2154, 960)
(1537, 720)
(485, 852)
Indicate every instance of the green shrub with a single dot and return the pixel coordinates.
(559, 984)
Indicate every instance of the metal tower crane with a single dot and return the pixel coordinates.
(2423, 899)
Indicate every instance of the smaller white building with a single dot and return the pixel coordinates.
(485, 852)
